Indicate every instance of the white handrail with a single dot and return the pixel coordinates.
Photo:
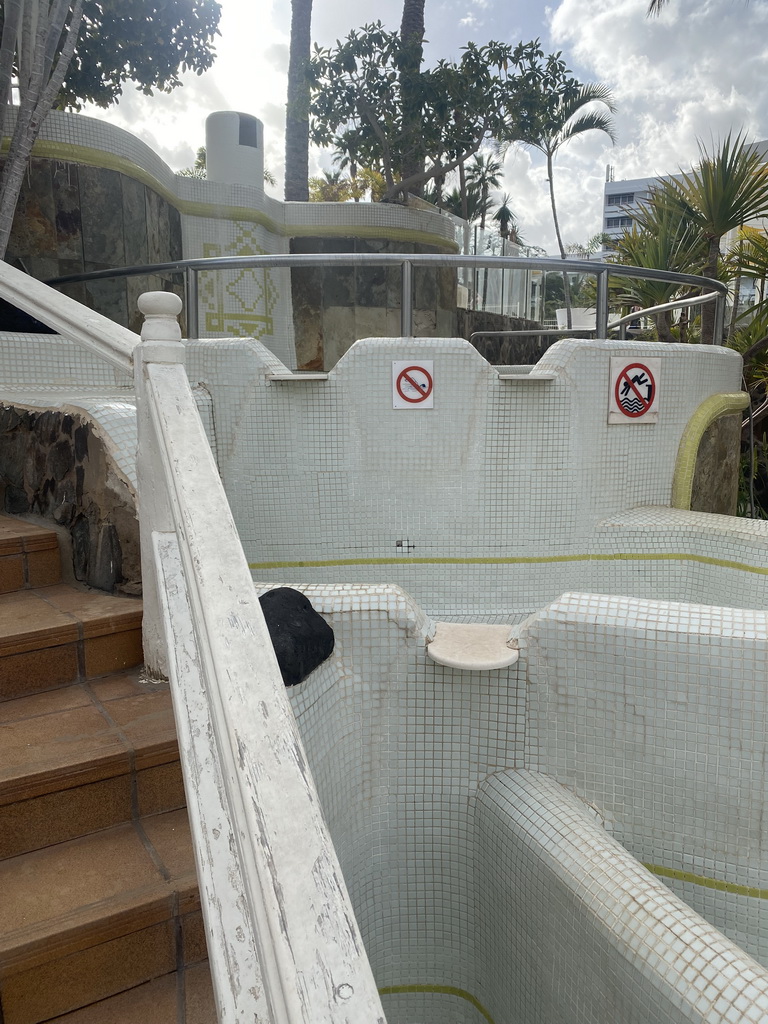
(93, 331)
(286, 900)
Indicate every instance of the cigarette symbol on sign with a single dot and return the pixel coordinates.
(414, 384)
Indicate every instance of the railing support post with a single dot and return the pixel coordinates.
(601, 305)
(406, 300)
(160, 343)
(191, 278)
(719, 327)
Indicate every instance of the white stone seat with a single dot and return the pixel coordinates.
(473, 647)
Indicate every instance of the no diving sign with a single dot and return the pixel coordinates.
(634, 390)
(413, 384)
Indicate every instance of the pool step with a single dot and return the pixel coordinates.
(99, 908)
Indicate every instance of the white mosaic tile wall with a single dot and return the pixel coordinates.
(495, 493)
(577, 932)
(46, 371)
(398, 746)
(657, 713)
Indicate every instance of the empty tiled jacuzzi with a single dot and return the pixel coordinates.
(562, 820)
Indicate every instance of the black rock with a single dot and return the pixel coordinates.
(302, 639)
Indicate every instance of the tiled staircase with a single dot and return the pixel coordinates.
(99, 910)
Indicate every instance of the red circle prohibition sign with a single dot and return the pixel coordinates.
(423, 390)
(635, 392)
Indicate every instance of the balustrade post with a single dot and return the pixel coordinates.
(160, 343)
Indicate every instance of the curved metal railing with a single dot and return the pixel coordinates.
(715, 292)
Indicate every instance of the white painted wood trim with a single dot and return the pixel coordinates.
(88, 328)
(313, 966)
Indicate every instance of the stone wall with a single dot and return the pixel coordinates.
(73, 218)
(716, 477)
(335, 306)
(525, 349)
(53, 464)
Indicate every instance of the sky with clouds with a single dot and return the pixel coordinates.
(693, 74)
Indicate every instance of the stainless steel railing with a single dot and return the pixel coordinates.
(715, 292)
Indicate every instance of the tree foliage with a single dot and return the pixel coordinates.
(727, 189)
(62, 53)
(358, 107)
(131, 40)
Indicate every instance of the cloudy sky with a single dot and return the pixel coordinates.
(694, 73)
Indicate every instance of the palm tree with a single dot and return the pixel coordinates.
(411, 40)
(728, 189)
(483, 175)
(297, 107)
(566, 119)
(660, 239)
(506, 220)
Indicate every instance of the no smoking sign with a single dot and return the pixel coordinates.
(413, 385)
(634, 390)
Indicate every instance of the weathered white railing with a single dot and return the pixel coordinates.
(283, 943)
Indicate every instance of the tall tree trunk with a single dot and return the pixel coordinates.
(561, 247)
(297, 107)
(412, 39)
(708, 311)
(664, 326)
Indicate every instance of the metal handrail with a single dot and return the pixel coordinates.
(64, 315)
(695, 300)
(191, 268)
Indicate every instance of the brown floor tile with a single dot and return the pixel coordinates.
(99, 613)
(160, 788)
(19, 535)
(170, 836)
(89, 975)
(126, 683)
(110, 653)
(50, 702)
(66, 886)
(11, 573)
(35, 671)
(43, 568)
(66, 814)
(28, 622)
(68, 748)
(195, 948)
(154, 1003)
(200, 1003)
(148, 725)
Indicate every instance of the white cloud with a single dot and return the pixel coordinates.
(695, 72)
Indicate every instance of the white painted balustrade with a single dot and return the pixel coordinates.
(283, 943)
(282, 939)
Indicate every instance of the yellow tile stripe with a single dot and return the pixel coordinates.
(443, 990)
(711, 408)
(708, 883)
(674, 556)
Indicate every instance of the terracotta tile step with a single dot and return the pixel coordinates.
(29, 555)
(54, 635)
(95, 916)
(184, 997)
(83, 758)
